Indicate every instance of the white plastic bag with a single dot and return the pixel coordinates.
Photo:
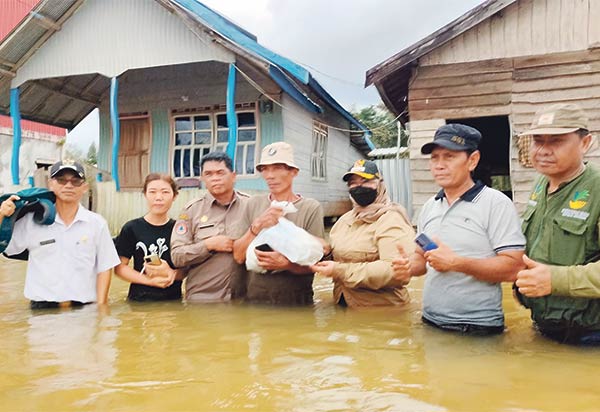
(293, 242)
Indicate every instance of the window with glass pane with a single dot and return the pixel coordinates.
(318, 160)
(193, 139)
(198, 134)
(246, 144)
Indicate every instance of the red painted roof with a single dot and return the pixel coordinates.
(12, 12)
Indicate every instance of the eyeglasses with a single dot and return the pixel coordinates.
(77, 182)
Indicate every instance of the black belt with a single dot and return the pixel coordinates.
(467, 328)
(43, 304)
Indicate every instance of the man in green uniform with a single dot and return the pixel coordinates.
(561, 284)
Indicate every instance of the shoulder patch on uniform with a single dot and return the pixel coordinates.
(181, 228)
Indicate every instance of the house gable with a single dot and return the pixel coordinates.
(525, 28)
(111, 36)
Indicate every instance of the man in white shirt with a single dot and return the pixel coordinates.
(70, 261)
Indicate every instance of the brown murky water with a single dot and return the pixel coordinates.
(174, 357)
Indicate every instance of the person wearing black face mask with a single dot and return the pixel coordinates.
(363, 195)
(364, 243)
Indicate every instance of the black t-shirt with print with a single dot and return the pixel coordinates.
(139, 238)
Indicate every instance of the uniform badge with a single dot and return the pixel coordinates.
(183, 216)
(181, 229)
(204, 218)
(579, 199)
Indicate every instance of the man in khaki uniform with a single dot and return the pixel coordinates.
(561, 284)
(284, 282)
(202, 236)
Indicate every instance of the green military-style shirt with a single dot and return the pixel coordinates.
(562, 230)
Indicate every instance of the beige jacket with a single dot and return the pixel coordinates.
(363, 253)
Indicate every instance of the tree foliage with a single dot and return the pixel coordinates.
(381, 121)
(92, 155)
(72, 152)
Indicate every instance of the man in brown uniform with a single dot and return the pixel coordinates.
(202, 236)
(284, 282)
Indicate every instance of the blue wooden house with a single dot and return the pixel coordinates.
(172, 80)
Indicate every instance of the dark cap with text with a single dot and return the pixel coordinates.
(454, 136)
(65, 165)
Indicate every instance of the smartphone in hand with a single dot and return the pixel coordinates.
(264, 248)
(425, 242)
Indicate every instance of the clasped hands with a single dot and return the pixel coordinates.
(160, 276)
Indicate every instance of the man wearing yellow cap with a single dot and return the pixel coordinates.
(561, 284)
(284, 282)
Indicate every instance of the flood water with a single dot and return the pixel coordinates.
(234, 357)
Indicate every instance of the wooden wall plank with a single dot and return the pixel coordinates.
(528, 27)
(485, 49)
(462, 113)
(576, 56)
(538, 27)
(450, 81)
(499, 99)
(464, 69)
(559, 83)
(593, 27)
(524, 28)
(567, 14)
(552, 22)
(555, 71)
(478, 89)
(497, 35)
(553, 96)
(581, 19)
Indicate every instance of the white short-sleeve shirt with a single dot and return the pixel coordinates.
(64, 261)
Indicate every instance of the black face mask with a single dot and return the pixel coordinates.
(362, 195)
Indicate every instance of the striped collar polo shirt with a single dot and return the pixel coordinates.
(480, 224)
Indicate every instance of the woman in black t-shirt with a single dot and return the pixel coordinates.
(150, 235)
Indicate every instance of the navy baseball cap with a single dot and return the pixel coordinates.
(63, 165)
(454, 136)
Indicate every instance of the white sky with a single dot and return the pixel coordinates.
(337, 40)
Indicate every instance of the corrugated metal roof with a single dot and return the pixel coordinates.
(388, 151)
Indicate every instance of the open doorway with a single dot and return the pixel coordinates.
(494, 166)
